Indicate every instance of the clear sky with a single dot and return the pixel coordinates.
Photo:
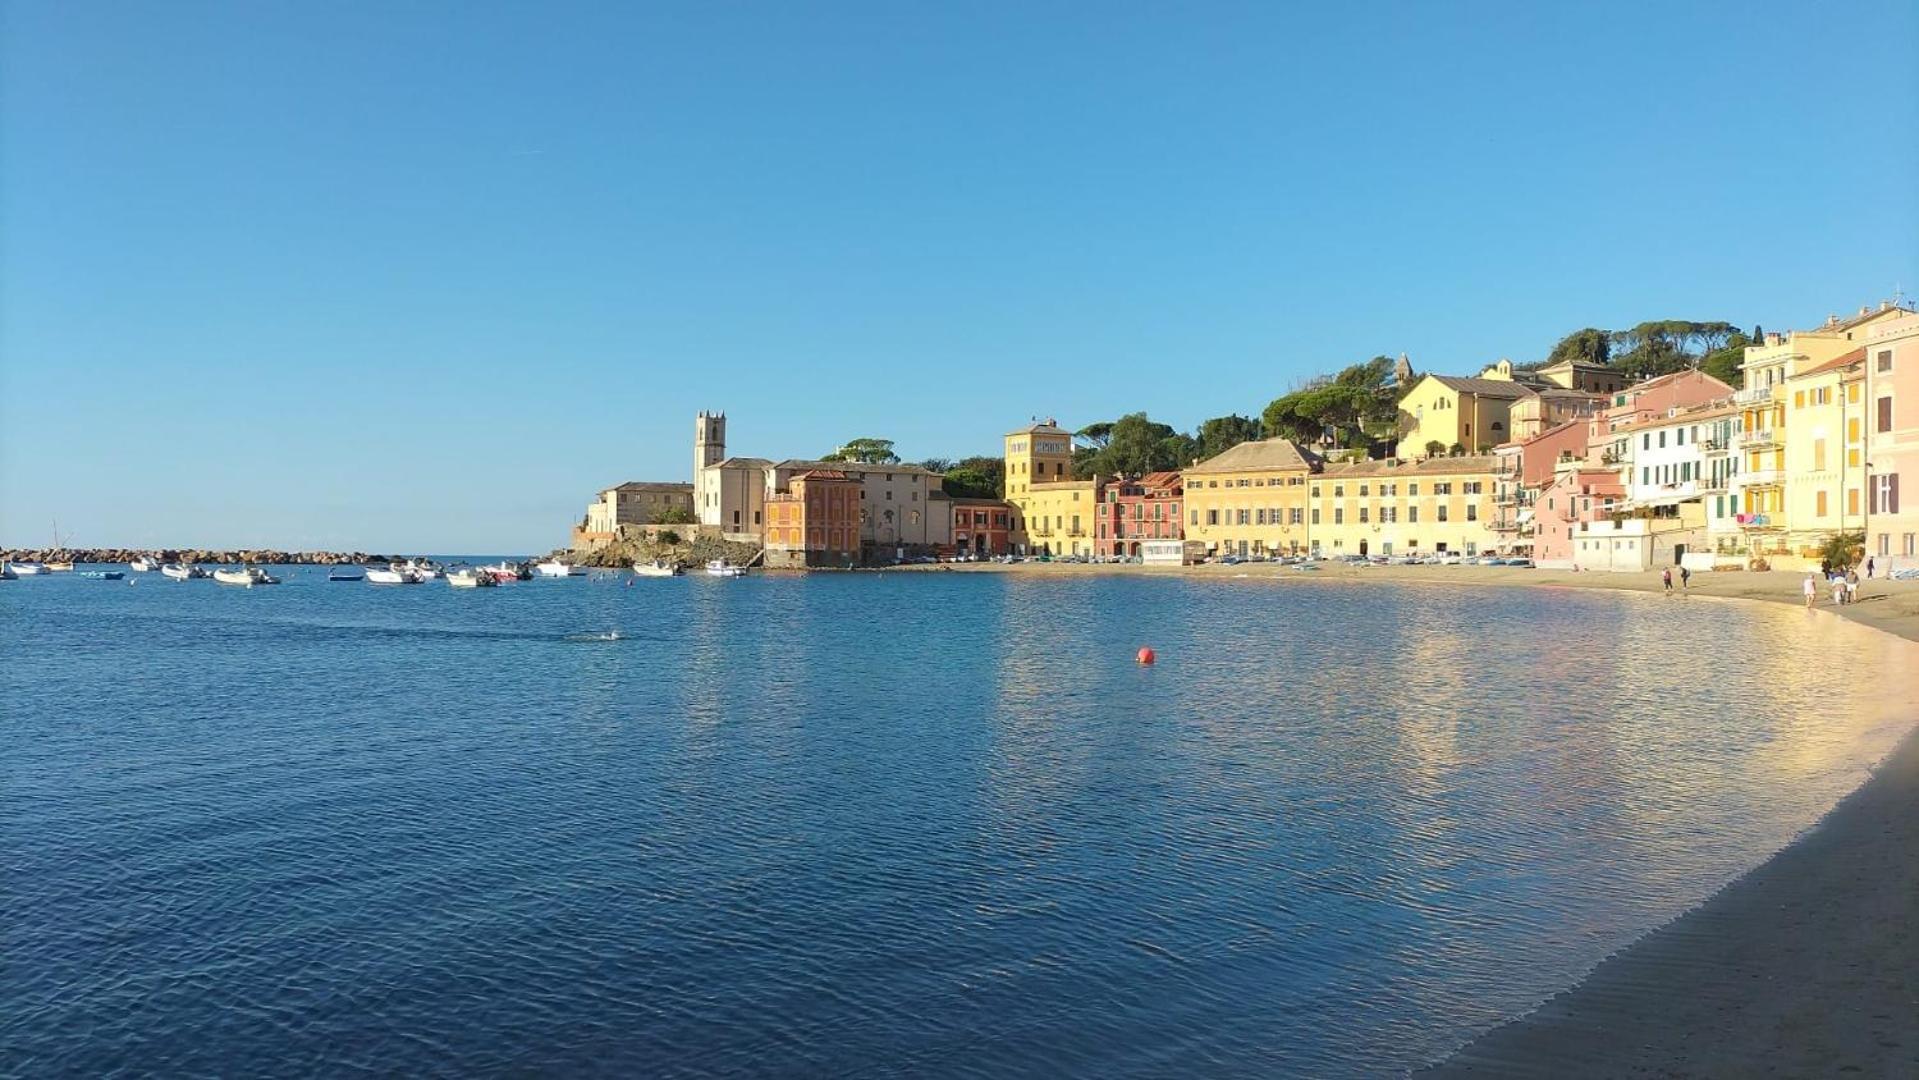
(425, 276)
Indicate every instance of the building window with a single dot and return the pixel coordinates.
(1339, 516)
(1472, 511)
(1442, 511)
(1885, 414)
(1212, 517)
(1412, 515)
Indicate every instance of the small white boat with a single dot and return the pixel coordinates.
(27, 569)
(144, 565)
(504, 572)
(722, 568)
(425, 571)
(392, 575)
(556, 568)
(60, 566)
(249, 576)
(656, 568)
(182, 572)
(469, 578)
(104, 575)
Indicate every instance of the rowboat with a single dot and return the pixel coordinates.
(348, 573)
(104, 575)
(469, 578)
(392, 575)
(28, 569)
(182, 572)
(250, 576)
(656, 568)
(556, 568)
(144, 565)
(722, 568)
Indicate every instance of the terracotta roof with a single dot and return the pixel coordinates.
(1258, 455)
(1439, 466)
(1160, 480)
(1487, 388)
(1849, 359)
(821, 474)
(1562, 392)
(741, 462)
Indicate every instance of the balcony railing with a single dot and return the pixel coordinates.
(1752, 440)
(1752, 395)
(1763, 477)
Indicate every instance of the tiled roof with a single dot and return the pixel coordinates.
(821, 474)
(1160, 480)
(1851, 358)
(1042, 427)
(652, 485)
(1253, 456)
(1486, 388)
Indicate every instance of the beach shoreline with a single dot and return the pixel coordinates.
(1891, 606)
(1806, 965)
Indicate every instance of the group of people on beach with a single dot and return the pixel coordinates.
(1844, 585)
(1685, 579)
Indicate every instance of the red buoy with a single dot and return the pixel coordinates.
(1146, 655)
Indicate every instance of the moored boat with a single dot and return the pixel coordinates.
(27, 569)
(471, 578)
(145, 564)
(722, 568)
(656, 568)
(59, 566)
(182, 572)
(505, 571)
(6, 572)
(248, 576)
(556, 568)
(391, 575)
(104, 575)
(424, 569)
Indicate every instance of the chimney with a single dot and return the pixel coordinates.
(1866, 310)
(1832, 320)
(1885, 305)
(1772, 339)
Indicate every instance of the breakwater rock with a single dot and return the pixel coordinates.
(687, 552)
(195, 555)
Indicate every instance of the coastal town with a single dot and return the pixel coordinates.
(1791, 462)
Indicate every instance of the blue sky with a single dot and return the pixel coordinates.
(424, 276)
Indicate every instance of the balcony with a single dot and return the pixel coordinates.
(1756, 440)
(1763, 478)
(1752, 395)
(1759, 522)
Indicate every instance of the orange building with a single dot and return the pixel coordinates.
(982, 526)
(815, 521)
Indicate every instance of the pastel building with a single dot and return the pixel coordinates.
(1452, 410)
(1577, 504)
(983, 526)
(729, 493)
(1436, 506)
(1524, 469)
(899, 511)
(1053, 511)
(1250, 499)
(814, 521)
(1892, 442)
(633, 503)
(1135, 511)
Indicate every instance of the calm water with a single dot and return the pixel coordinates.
(870, 825)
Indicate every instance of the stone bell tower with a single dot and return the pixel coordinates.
(709, 447)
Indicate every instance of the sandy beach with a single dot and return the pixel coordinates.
(1807, 966)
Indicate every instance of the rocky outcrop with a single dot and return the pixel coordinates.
(194, 555)
(686, 551)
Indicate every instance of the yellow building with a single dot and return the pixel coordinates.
(1053, 512)
(1440, 505)
(1453, 411)
(1250, 499)
(1794, 385)
(1825, 462)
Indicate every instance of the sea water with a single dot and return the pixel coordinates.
(871, 825)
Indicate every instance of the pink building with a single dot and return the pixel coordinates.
(1525, 469)
(1134, 510)
(1649, 400)
(1892, 444)
(1567, 513)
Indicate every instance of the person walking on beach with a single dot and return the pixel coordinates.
(1838, 589)
(1666, 577)
(1852, 586)
(1868, 566)
(1685, 578)
(1812, 590)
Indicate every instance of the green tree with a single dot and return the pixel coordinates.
(1842, 550)
(936, 465)
(1435, 448)
(1589, 346)
(866, 452)
(1222, 433)
(1096, 435)
(674, 515)
(976, 478)
(1346, 408)
(1136, 444)
(1723, 363)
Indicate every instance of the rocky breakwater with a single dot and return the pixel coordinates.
(195, 555)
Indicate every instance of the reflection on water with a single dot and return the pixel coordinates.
(876, 824)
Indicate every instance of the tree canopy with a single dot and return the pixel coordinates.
(1222, 433)
(1587, 346)
(1351, 409)
(1133, 445)
(976, 477)
(866, 452)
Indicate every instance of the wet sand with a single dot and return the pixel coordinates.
(1807, 966)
